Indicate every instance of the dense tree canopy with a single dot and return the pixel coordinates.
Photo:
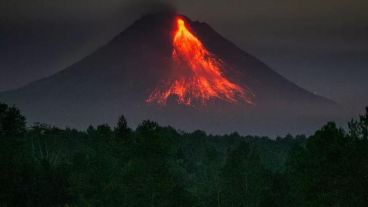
(159, 166)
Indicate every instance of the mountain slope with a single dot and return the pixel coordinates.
(118, 78)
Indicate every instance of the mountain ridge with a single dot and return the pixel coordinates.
(118, 77)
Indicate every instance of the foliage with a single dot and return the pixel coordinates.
(160, 166)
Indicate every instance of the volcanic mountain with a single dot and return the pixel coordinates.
(176, 71)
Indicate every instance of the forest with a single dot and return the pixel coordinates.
(153, 165)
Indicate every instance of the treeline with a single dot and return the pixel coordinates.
(160, 166)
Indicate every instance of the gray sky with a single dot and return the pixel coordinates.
(320, 45)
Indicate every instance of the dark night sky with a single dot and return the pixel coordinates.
(320, 45)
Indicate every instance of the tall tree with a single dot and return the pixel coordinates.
(329, 172)
(244, 179)
(12, 123)
(122, 131)
(13, 156)
(150, 178)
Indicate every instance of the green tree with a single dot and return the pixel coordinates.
(13, 155)
(279, 193)
(12, 123)
(244, 179)
(330, 171)
(150, 179)
(122, 131)
(358, 129)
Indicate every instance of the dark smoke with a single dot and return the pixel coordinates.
(144, 8)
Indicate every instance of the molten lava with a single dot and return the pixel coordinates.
(197, 75)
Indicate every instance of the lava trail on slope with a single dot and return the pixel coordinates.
(197, 74)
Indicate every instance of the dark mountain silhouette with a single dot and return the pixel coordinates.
(117, 79)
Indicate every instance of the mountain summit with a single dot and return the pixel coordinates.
(176, 71)
(196, 73)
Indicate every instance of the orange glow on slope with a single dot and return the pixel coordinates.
(197, 75)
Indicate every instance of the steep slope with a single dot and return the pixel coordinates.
(119, 77)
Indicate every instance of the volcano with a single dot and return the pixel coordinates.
(168, 68)
(196, 73)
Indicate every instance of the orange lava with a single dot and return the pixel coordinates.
(197, 75)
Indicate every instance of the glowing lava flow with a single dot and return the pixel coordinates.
(197, 74)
